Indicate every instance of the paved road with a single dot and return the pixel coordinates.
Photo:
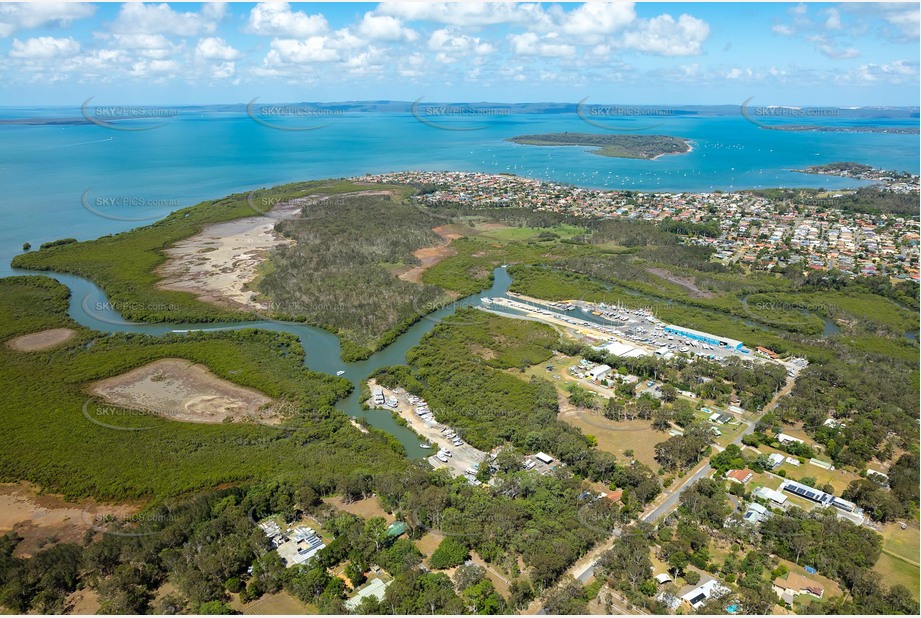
(669, 504)
(584, 573)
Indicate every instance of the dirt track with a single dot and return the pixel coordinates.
(429, 256)
(685, 282)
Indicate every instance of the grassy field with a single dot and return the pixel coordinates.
(277, 604)
(616, 437)
(524, 234)
(831, 587)
(839, 479)
(429, 543)
(898, 564)
(562, 378)
(367, 508)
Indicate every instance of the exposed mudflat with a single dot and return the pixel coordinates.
(180, 390)
(42, 340)
(218, 264)
(47, 518)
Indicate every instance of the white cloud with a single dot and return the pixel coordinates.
(140, 18)
(154, 46)
(154, 68)
(905, 17)
(782, 29)
(596, 18)
(778, 73)
(293, 51)
(44, 47)
(412, 66)
(100, 62)
(665, 36)
(369, 62)
(529, 44)
(452, 46)
(829, 49)
(464, 14)
(277, 19)
(896, 72)
(223, 70)
(834, 20)
(906, 21)
(215, 48)
(384, 28)
(26, 15)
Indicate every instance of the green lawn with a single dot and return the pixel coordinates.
(898, 564)
(523, 234)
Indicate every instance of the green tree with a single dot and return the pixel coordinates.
(450, 552)
(215, 608)
(568, 598)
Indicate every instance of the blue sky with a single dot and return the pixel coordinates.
(643, 53)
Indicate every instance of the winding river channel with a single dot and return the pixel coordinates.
(90, 307)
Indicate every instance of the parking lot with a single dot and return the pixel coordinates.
(462, 457)
(634, 331)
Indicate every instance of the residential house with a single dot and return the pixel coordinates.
(756, 513)
(785, 439)
(374, 588)
(770, 494)
(696, 595)
(795, 584)
(740, 476)
(775, 459)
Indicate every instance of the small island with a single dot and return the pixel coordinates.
(850, 169)
(620, 146)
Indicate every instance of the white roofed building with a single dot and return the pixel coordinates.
(596, 373)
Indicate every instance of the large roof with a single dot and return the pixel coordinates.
(375, 588)
(733, 343)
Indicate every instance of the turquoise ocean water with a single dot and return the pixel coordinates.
(45, 170)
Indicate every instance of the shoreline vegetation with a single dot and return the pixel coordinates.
(648, 147)
(144, 456)
(135, 283)
(473, 368)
